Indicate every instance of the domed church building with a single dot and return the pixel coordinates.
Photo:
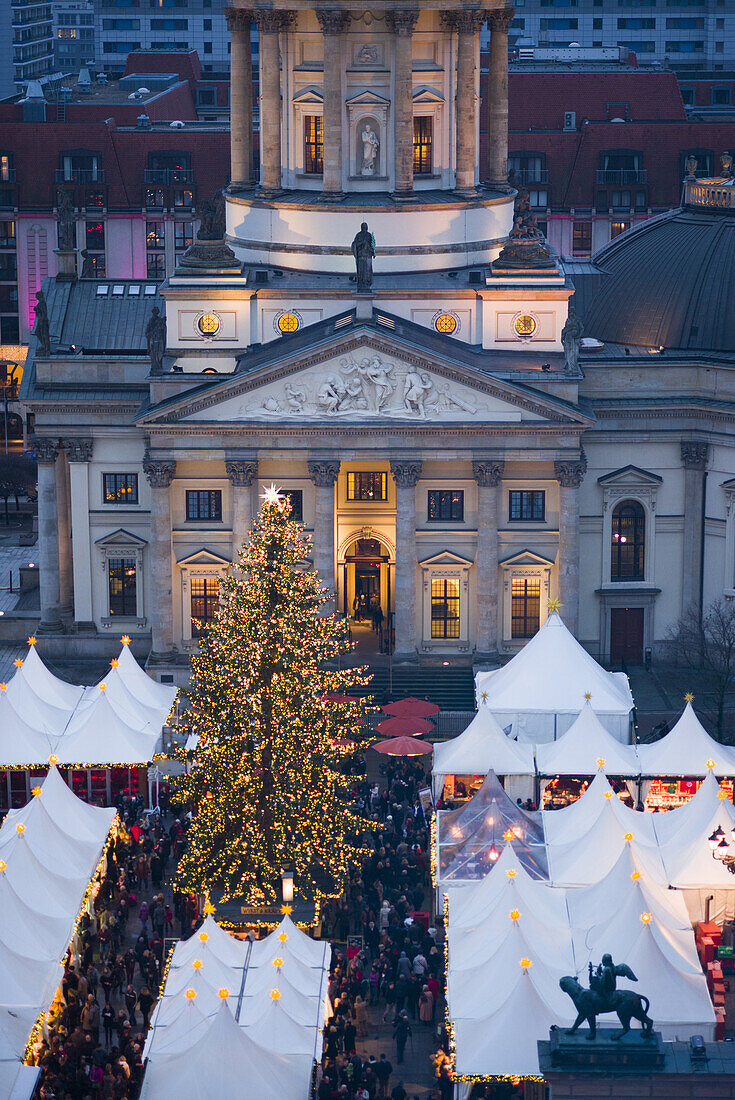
(371, 320)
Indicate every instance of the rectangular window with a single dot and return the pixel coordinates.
(183, 235)
(204, 603)
(296, 497)
(445, 608)
(313, 144)
(154, 235)
(183, 197)
(120, 488)
(527, 504)
(155, 263)
(525, 605)
(582, 238)
(94, 233)
(204, 504)
(616, 228)
(367, 485)
(121, 578)
(423, 127)
(445, 504)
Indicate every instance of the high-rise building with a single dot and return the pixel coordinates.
(73, 34)
(27, 49)
(122, 26)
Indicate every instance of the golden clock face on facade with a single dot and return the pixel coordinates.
(525, 325)
(446, 323)
(287, 322)
(208, 324)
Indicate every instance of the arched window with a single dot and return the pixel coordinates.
(627, 558)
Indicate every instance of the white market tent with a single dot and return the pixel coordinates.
(542, 688)
(687, 750)
(585, 749)
(119, 721)
(275, 995)
(49, 852)
(481, 748)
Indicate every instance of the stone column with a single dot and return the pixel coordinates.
(241, 472)
(488, 474)
(467, 24)
(497, 100)
(569, 474)
(160, 473)
(270, 24)
(65, 532)
(694, 455)
(406, 475)
(46, 451)
(324, 473)
(333, 23)
(402, 24)
(241, 97)
(79, 455)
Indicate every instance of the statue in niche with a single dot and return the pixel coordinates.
(370, 145)
(415, 391)
(363, 249)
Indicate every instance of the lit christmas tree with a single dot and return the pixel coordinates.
(266, 784)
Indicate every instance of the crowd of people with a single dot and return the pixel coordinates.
(91, 1045)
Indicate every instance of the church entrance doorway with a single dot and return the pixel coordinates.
(367, 584)
(626, 635)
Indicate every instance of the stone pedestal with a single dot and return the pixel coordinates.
(488, 475)
(46, 451)
(402, 24)
(324, 473)
(333, 22)
(406, 475)
(569, 474)
(694, 456)
(160, 473)
(497, 100)
(241, 472)
(241, 98)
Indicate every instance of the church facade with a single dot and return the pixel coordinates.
(458, 452)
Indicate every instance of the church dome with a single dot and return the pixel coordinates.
(669, 281)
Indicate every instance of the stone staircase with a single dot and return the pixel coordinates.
(452, 689)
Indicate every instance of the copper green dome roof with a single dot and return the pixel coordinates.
(671, 280)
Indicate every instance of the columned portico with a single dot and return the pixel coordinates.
(160, 473)
(270, 24)
(467, 25)
(694, 455)
(65, 528)
(406, 475)
(241, 97)
(497, 99)
(569, 474)
(402, 24)
(241, 472)
(46, 452)
(324, 473)
(332, 23)
(79, 455)
(488, 475)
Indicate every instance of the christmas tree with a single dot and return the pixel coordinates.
(267, 785)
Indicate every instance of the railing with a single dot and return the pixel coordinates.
(714, 193)
(619, 176)
(80, 175)
(531, 175)
(167, 176)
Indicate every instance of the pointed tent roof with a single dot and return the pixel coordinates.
(574, 822)
(297, 943)
(688, 858)
(686, 750)
(481, 748)
(551, 674)
(507, 886)
(509, 930)
(141, 686)
(591, 904)
(580, 750)
(689, 819)
(50, 690)
(268, 1022)
(214, 941)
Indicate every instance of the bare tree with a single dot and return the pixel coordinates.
(708, 644)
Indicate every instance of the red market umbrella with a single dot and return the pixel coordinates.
(411, 708)
(403, 746)
(411, 727)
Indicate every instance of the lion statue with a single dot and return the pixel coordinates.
(589, 1004)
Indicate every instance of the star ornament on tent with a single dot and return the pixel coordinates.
(272, 495)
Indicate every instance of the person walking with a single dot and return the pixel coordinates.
(383, 1070)
(401, 1032)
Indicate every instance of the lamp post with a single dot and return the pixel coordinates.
(287, 887)
(721, 847)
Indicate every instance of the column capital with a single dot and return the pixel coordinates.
(402, 21)
(332, 20)
(238, 19)
(405, 474)
(464, 22)
(78, 450)
(570, 472)
(160, 472)
(241, 471)
(323, 472)
(273, 22)
(694, 454)
(488, 472)
(501, 20)
(45, 449)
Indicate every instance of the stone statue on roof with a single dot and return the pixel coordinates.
(363, 249)
(211, 214)
(571, 337)
(526, 246)
(155, 335)
(41, 327)
(604, 996)
(67, 230)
